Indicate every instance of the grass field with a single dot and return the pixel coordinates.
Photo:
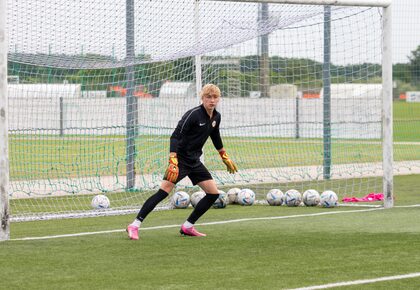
(271, 248)
(406, 121)
(41, 160)
(258, 247)
(45, 157)
(52, 158)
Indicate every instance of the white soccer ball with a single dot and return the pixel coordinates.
(180, 199)
(100, 201)
(329, 199)
(275, 197)
(196, 197)
(232, 195)
(246, 197)
(292, 197)
(221, 201)
(311, 197)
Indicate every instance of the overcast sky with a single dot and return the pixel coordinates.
(406, 28)
(165, 28)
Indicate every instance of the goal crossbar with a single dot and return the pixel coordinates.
(370, 3)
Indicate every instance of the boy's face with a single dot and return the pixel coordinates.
(210, 101)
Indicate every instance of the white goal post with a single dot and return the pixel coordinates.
(4, 159)
(387, 121)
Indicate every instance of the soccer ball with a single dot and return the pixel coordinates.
(329, 199)
(232, 195)
(275, 197)
(246, 197)
(100, 201)
(180, 199)
(311, 197)
(292, 197)
(196, 197)
(221, 201)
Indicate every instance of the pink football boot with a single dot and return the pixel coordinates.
(191, 232)
(133, 232)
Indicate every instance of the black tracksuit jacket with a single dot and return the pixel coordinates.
(192, 132)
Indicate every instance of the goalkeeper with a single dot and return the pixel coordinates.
(186, 147)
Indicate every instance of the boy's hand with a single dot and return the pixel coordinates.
(231, 166)
(171, 173)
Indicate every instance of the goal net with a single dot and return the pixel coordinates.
(100, 85)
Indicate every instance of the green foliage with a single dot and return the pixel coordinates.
(401, 72)
(305, 73)
(415, 66)
(402, 88)
(249, 63)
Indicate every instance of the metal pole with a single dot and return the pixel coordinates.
(264, 60)
(198, 70)
(387, 134)
(61, 117)
(297, 130)
(131, 102)
(326, 78)
(50, 64)
(4, 151)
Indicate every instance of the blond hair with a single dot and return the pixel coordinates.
(210, 89)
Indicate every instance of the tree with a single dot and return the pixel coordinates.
(401, 72)
(415, 66)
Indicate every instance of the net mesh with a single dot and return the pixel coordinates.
(68, 130)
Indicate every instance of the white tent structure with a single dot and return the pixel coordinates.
(355, 91)
(177, 90)
(55, 91)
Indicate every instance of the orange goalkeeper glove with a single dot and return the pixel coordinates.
(231, 167)
(171, 173)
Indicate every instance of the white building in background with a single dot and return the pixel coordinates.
(34, 91)
(178, 90)
(283, 91)
(39, 109)
(355, 91)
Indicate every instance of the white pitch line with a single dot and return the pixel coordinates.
(358, 282)
(405, 206)
(201, 224)
(287, 217)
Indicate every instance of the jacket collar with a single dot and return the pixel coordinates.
(205, 112)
